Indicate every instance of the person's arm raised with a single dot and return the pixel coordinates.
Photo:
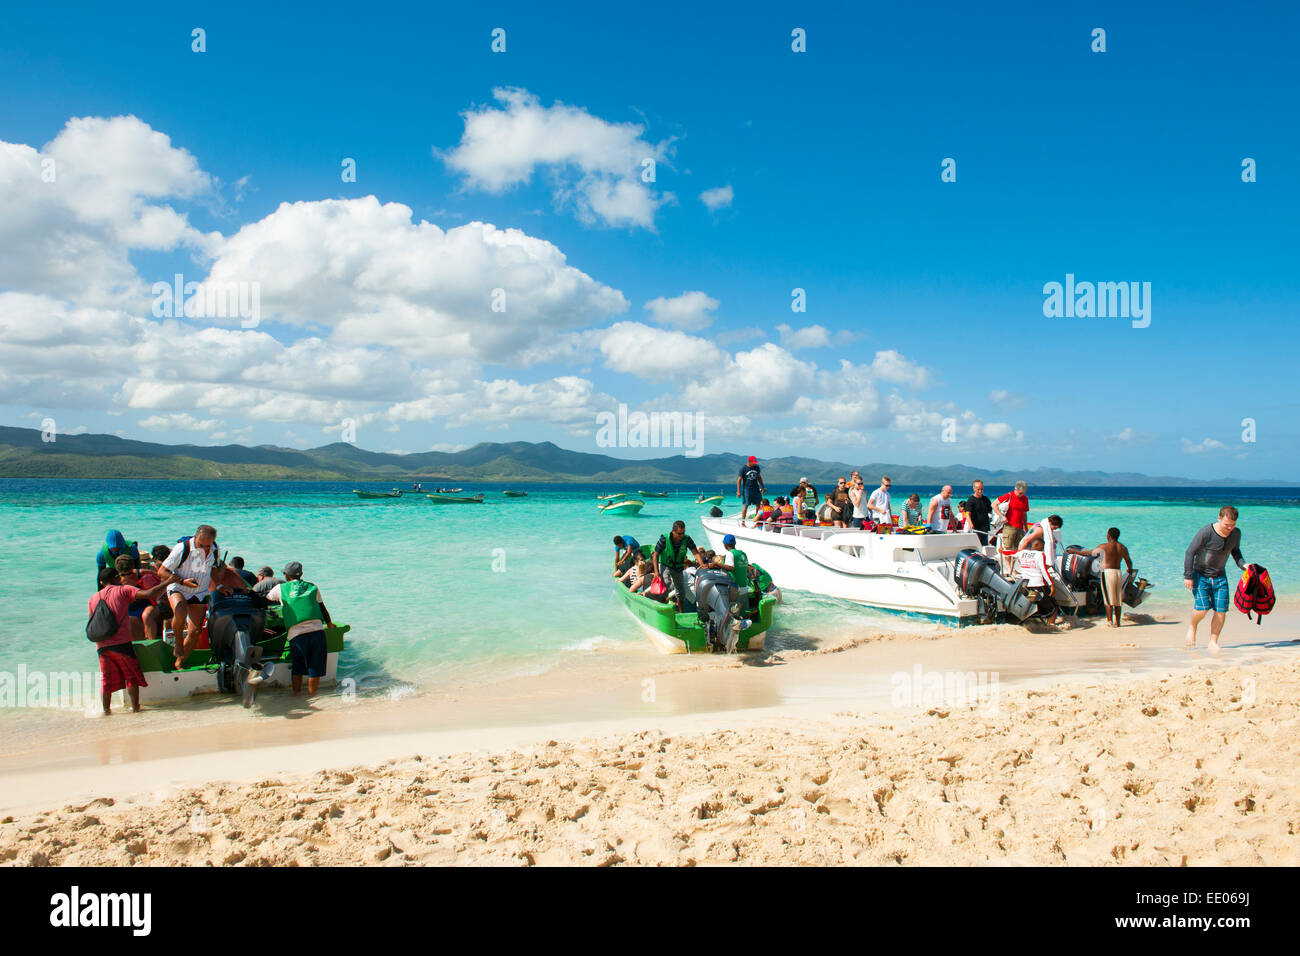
(150, 594)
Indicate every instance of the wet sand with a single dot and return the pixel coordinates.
(727, 706)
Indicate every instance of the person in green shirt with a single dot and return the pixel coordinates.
(303, 612)
(763, 583)
(912, 511)
(738, 567)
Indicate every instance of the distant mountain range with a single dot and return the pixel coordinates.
(24, 455)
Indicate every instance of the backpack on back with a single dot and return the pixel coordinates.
(103, 623)
(1255, 592)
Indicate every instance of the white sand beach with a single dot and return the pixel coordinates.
(1086, 747)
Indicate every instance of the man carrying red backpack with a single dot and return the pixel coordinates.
(1203, 572)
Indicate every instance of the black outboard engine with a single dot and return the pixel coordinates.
(976, 575)
(236, 624)
(1082, 572)
(1135, 589)
(715, 512)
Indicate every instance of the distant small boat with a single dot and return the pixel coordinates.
(709, 499)
(446, 491)
(624, 506)
(377, 494)
(617, 496)
(653, 494)
(515, 494)
(456, 500)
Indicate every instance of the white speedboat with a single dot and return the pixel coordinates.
(917, 574)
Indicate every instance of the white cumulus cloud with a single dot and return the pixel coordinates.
(688, 310)
(597, 165)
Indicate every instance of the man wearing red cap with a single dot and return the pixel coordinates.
(750, 488)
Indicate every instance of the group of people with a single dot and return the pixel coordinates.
(680, 567)
(1028, 551)
(850, 505)
(168, 591)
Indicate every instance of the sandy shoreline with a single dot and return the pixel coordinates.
(1193, 761)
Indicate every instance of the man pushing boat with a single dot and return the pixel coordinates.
(669, 559)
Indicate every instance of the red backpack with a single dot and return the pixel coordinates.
(1255, 592)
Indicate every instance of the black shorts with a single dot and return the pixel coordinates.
(307, 654)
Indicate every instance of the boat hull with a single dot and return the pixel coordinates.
(372, 495)
(628, 506)
(673, 633)
(167, 683)
(901, 574)
(453, 500)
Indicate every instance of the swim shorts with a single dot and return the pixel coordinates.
(307, 654)
(1211, 593)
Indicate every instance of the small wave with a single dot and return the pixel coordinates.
(588, 644)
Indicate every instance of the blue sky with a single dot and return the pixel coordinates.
(924, 317)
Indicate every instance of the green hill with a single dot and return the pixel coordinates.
(24, 455)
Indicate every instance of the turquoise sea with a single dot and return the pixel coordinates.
(442, 595)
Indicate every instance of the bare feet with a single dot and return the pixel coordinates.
(1213, 646)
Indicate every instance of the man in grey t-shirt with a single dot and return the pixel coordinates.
(1203, 572)
(266, 580)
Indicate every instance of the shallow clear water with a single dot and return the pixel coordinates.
(440, 595)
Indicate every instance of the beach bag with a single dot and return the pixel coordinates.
(1255, 592)
(658, 590)
(103, 623)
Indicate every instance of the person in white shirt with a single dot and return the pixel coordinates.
(1032, 566)
(940, 513)
(187, 572)
(857, 495)
(1031, 563)
(879, 504)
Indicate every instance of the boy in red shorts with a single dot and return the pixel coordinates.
(118, 666)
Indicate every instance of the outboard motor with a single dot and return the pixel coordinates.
(976, 575)
(235, 626)
(1135, 589)
(715, 512)
(715, 597)
(1082, 572)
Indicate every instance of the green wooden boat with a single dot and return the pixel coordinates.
(709, 499)
(673, 633)
(377, 494)
(515, 494)
(624, 506)
(456, 499)
(616, 496)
